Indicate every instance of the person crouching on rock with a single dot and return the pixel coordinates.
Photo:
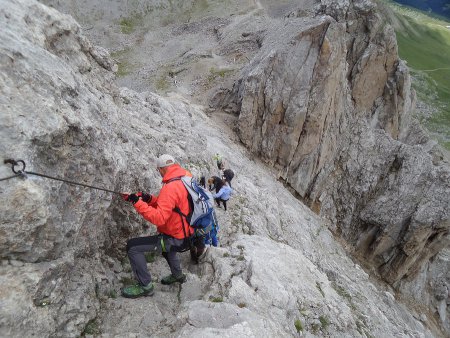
(173, 234)
(223, 195)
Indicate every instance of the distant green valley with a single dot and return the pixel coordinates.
(424, 42)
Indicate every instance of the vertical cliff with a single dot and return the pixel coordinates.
(327, 102)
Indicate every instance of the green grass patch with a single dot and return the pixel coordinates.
(215, 73)
(216, 299)
(241, 258)
(123, 64)
(424, 42)
(341, 291)
(162, 84)
(426, 48)
(91, 328)
(128, 25)
(123, 69)
(298, 325)
(324, 322)
(344, 294)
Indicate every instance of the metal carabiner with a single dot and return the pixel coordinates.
(15, 163)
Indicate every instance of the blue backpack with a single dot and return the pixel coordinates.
(201, 206)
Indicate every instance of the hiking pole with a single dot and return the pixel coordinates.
(22, 172)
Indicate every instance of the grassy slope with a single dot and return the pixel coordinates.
(424, 42)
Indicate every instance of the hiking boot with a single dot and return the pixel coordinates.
(198, 254)
(201, 254)
(172, 279)
(138, 290)
(194, 256)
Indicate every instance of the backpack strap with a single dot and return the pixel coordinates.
(174, 179)
(178, 211)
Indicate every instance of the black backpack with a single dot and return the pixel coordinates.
(228, 174)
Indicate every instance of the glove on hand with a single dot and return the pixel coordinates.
(133, 198)
(146, 197)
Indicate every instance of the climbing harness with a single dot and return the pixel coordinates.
(22, 173)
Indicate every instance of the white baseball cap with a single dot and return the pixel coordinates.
(164, 161)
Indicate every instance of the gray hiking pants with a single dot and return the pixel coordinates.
(168, 246)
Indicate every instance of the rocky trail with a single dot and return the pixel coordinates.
(276, 257)
(308, 104)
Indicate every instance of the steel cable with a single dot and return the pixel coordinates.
(22, 172)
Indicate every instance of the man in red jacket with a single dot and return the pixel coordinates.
(173, 234)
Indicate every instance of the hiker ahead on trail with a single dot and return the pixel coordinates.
(226, 174)
(173, 235)
(219, 161)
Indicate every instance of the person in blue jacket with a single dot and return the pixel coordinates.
(223, 195)
(211, 238)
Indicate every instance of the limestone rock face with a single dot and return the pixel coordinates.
(327, 102)
(62, 114)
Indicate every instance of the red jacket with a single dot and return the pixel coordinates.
(160, 209)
